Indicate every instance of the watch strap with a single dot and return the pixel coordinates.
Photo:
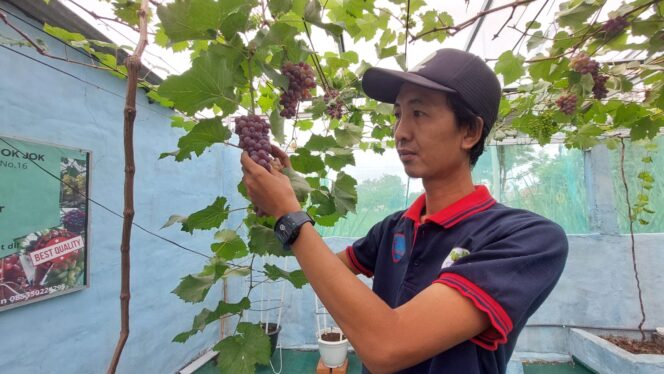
(288, 226)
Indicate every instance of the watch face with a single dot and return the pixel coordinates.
(282, 232)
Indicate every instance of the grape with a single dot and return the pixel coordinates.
(74, 221)
(567, 103)
(254, 133)
(300, 80)
(334, 104)
(599, 88)
(615, 25)
(582, 64)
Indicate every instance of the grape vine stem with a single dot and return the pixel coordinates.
(133, 64)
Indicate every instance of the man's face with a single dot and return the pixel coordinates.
(429, 142)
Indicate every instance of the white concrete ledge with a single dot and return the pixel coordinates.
(605, 357)
(514, 366)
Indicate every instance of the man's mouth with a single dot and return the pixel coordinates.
(406, 154)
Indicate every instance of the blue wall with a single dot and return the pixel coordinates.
(77, 333)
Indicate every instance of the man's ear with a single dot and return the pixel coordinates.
(473, 134)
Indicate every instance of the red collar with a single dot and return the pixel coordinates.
(475, 202)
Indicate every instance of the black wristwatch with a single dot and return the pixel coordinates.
(288, 227)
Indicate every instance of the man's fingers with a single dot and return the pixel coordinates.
(281, 155)
(248, 165)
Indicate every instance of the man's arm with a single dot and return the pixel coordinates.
(343, 256)
(386, 339)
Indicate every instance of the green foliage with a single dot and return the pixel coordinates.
(207, 316)
(194, 288)
(201, 136)
(296, 277)
(212, 80)
(241, 352)
(209, 218)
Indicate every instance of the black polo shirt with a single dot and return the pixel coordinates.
(505, 260)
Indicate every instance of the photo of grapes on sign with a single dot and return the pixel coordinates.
(52, 260)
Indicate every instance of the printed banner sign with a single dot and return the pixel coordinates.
(43, 221)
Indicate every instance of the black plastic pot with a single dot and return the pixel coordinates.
(273, 333)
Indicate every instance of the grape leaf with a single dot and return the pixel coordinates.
(230, 245)
(299, 184)
(344, 193)
(242, 352)
(323, 202)
(190, 19)
(207, 316)
(645, 127)
(296, 277)
(535, 40)
(211, 80)
(340, 158)
(127, 10)
(210, 217)
(277, 126)
(304, 162)
(320, 143)
(204, 134)
(194, 288)
(173, 219)
(262, 241)
(510, 67)
(576, 15)
(278, 7)
(216, 267)
(349, 135)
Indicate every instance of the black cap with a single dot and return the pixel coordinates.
(447, 70)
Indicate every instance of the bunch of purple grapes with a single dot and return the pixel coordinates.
(254, 138)
(599, 88)
(567, 103)
(582, 64)
(334, 104)
(300, 80)
(74, 221)
(615, 25)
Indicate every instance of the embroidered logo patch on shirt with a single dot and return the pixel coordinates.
(398, 247)
(455, 254)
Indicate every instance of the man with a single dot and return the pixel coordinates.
(457, 275)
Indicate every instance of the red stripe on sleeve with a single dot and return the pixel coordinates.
(501, 323)
(350, 252)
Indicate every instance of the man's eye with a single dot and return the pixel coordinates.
(397, 115)
(417, 113)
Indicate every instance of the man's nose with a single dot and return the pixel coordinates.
(402, 130)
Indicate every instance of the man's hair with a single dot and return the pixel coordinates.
(466, 118)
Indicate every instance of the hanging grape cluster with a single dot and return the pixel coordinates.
(334, 104)
(254, 138)
(615, 25)
(300, 80)
(599, 88)
(583, 64)
(567, 103)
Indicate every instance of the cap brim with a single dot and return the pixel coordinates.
(384, 84)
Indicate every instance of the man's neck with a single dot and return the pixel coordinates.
(441, 193)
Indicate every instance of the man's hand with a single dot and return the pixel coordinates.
(270, 191)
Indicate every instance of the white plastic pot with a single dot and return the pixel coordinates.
(333, 354)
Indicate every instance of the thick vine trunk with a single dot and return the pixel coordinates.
(133, 64)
